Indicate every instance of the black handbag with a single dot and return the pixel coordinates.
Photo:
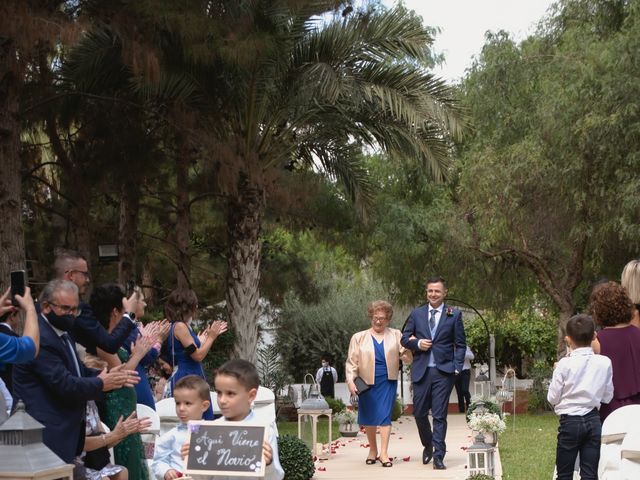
(97, 459)
(361, 385)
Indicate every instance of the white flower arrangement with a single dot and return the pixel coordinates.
(346, 417)
(486, 422)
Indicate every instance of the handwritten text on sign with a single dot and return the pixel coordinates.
(229, 448)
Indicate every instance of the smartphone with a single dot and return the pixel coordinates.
(18, 284)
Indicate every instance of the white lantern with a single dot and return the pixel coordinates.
(482, 385)
(309, 411)
(480, 457)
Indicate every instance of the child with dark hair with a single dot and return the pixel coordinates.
(581, 382)
(237, 383)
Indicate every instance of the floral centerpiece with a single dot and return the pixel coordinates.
(347, 421)
(486, 422)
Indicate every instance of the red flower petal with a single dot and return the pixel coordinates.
(406, 459)
(322, 469)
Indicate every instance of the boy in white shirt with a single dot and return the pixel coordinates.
(581, 382)
(237, 383)
(191, 394)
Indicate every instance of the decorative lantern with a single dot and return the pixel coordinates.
(308, 412)
(480, 457)
(482, 384)
(22, 453)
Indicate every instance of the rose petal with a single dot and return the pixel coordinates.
(322, 469)
(406, 459)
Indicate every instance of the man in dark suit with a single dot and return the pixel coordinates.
(56, 385)
(435, 334)
(87, 331)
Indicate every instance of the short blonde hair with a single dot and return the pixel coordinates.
(631, 280)
(380, 305)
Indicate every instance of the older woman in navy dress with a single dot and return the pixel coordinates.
(374, 356)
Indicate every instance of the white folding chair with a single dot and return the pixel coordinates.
(614, 430)
(149, 436)
(630, 453)
(166, 410)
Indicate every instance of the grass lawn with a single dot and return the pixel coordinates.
(528, 451)
(291, 428)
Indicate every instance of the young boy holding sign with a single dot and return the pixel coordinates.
(191, 394)
(236, 384)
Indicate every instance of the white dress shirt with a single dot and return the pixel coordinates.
(581, 382)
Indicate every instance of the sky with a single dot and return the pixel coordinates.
(463, 24)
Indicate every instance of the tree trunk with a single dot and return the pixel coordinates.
(183, 221)
(128, 231)
(244, 212)
(11, 233)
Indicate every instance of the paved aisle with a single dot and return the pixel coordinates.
(348, 461)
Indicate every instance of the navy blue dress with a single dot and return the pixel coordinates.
(186, 365)
(376, 404)
(143, 388)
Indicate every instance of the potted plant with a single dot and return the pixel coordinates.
(490, 424)
(347, 422)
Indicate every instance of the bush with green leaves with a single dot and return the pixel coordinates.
(522, 334)
(541, 375)
(306, 331)
(396, 412)
(336, 404)
(480, 476)
(295, 458)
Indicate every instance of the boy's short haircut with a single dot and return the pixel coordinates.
(194, 382)
(244, 371)
(580, 329)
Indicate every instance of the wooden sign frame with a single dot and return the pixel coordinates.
(222, 435)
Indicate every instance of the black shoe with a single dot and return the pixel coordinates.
(438, 464)
(427, 453)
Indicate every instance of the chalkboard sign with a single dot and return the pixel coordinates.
(226, 448)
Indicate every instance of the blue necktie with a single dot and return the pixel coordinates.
(432, 321)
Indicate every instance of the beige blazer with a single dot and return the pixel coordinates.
(361, 359)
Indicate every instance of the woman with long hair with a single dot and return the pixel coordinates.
(185, 349)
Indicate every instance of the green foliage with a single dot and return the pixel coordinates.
(544, 180)
(295, 458)
(522, 334)
(305, 331)
(480, 476)
(271, 370)
(396, 412)
(541, 374)
(336, 404)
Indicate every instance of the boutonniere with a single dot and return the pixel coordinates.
(449, 312)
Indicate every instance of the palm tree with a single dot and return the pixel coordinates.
(292, 88)
(288, 85)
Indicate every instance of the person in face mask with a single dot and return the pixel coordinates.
(326, 377)
(56, 385)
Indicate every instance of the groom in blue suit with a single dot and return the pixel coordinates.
(435, 334)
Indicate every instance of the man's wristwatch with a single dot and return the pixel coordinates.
(131, 315)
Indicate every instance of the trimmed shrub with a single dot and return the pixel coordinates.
(396, 412)
(336, 404)
(295, 458)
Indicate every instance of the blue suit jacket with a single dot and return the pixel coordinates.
(54, 395)
(449, 344)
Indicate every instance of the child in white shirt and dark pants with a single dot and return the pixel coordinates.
(581, 382)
